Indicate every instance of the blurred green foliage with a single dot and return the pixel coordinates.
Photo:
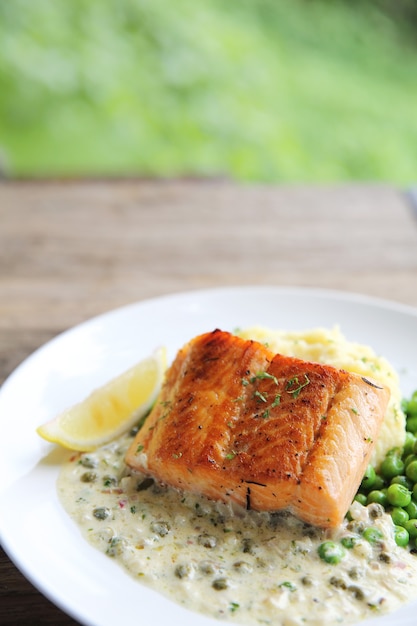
(268, 90)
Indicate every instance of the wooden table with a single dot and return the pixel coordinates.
(72, 249)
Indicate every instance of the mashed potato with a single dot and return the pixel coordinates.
(332, 348)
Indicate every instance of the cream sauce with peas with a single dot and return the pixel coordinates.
(242, 566)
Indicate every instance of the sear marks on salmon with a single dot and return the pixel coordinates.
(236, 422)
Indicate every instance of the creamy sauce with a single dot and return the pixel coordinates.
(241, 566)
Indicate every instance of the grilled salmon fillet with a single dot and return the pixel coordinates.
(236, 422)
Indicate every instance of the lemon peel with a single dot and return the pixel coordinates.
(110, 410)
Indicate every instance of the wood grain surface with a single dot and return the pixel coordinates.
(70, 250)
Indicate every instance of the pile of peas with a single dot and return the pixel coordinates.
(395, 484)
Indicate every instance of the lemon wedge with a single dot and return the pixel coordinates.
(109, 410)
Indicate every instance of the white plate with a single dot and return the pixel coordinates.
(36, 532)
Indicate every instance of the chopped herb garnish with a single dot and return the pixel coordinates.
(355, 411)
(139, 448)
(262, 376)
(294, 386)
(233, 607)
(277, 400)
(289, 585)
(109, 481)
(230, 455)
(261, 397)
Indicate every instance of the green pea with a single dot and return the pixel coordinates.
(379, 496)
(399, 516)
(411, 527)
(411, 423)
(373, 535)
(412, 406)
(394, 451)
(331, 552)
(411, 471)
(401, 536)
(412, 509)
(361, 497)
(409, 459)
(398, 495)
(379, 482)
(349, 542)
(410, 441)
(392, 466)
(368, 479)
(402, 480)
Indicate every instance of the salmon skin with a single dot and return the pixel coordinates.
(270, 432)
